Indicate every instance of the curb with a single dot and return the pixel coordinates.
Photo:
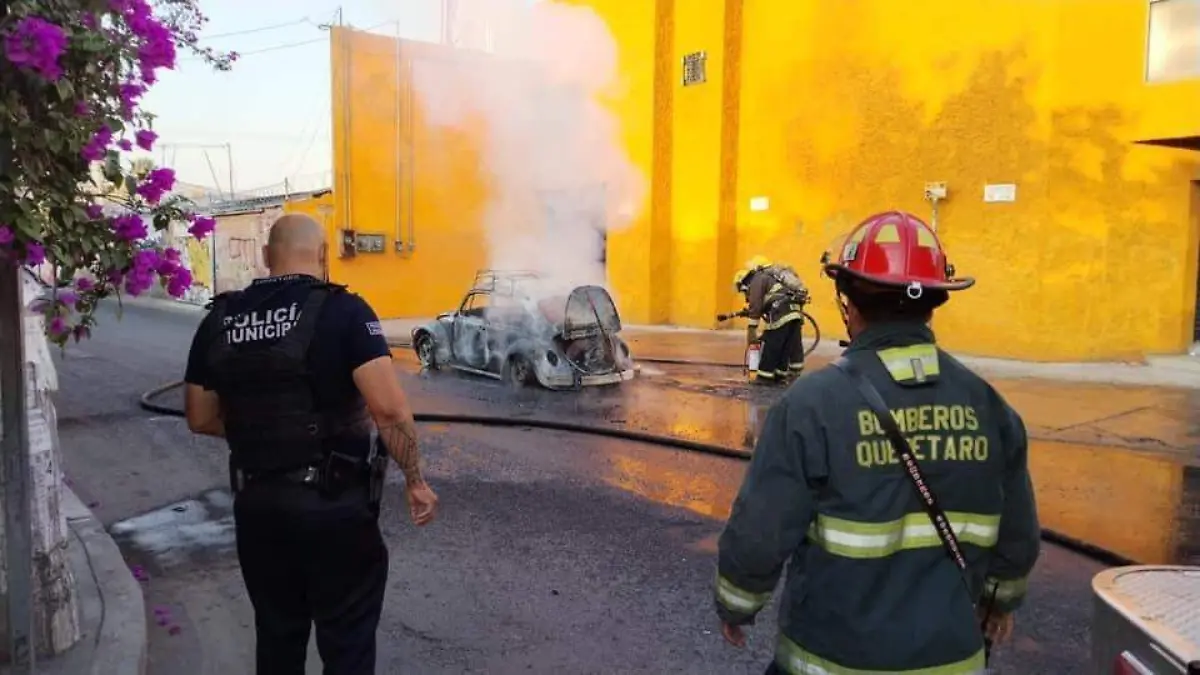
(161, 303)
(121, 639)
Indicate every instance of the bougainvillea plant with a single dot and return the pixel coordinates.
(72, 73)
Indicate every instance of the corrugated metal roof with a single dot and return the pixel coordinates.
(253, 204)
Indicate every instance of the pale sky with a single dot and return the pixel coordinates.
(273, 108)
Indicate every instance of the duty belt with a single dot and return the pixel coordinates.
(306, 475)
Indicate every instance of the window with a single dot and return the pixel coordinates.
(694, 71)
(476, 304)
(1173, 40)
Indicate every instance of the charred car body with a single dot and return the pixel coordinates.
(504, 328)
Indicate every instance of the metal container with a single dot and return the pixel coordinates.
(1146, 620)
(753, 355)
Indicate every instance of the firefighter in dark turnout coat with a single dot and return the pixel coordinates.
(295, 374)
(870, 587)
(780, 313)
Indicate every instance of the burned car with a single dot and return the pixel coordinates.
(508, 329)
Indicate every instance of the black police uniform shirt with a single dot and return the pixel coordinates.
(348, 334)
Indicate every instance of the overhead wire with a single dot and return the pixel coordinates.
(290, 45)
(260, 29)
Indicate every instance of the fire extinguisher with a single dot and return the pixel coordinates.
(753, 355)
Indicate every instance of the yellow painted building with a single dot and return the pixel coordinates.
(1065, 131)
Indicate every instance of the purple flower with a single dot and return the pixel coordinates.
(96, 147)
(137, 281)
(146, 259)
(146, 138)
(179, 283)
(171, 254)
(67, 298)
(156, 183)
(156, 48)
(36, 45)
(94, 211)
(124, 144)
(130, 93)
(167, 267)
(202, 226)
(58, 327)
(82, 109)
(129, 227)
(6, 235)
(34, 253)
(84, 284)
(114, 276)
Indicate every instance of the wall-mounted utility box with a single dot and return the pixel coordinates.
(370, 243)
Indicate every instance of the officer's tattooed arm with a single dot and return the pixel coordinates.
(401, 442)
(376, 380)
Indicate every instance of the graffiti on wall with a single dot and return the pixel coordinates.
(197, 256)
(239, 240)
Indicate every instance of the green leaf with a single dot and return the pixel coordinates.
(66, 90)
(28, 226)
(131, 184)
(112, 167)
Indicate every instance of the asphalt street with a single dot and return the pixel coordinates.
(553, 552)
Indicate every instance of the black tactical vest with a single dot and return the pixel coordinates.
(272, 421)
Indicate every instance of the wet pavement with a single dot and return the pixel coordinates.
(563, 552)
(1117, 467)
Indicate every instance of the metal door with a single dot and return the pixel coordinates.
(470, 331)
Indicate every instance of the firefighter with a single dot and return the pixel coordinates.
(768, 301)
(294, 373)
(872, 586)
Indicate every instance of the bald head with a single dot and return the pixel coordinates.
(296, 245)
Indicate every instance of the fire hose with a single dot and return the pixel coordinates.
(1070, 543)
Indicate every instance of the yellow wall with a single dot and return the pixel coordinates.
(835, 110)
(398, 175)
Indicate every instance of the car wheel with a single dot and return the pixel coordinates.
(519, 371)
(426, 351)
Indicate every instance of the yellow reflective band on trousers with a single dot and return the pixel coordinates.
(738, 600)
(915, 362)
(853, 539)
(792, 658)
(1005, 591)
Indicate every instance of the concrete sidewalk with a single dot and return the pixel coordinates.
(112, 614)
(728, 346)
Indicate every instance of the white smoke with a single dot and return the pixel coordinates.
(557, 172)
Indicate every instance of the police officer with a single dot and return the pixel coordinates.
(768, 301)
(294, 373)
(872, 586)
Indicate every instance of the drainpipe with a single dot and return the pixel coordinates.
(396, 131)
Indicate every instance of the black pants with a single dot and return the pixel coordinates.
(777, 349)
(796, 360)
(307, 559)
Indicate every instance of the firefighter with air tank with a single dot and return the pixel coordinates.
(775, 296)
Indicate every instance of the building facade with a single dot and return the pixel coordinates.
(1060, 140)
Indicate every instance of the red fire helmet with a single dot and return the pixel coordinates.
(895, 249)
